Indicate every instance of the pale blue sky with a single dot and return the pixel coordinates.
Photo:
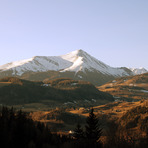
(113, 31)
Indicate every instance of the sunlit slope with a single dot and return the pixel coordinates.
(135, 87)
(123, 113)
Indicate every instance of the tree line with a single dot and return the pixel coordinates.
(18, 130)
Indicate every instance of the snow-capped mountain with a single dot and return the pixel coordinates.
(75, 61)
(82, 61)
(137, 71)
(77, 64)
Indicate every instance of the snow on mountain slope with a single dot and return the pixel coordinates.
(14, 64)
(137, 71)
(36, 64)
(83, 61)
(75, 61)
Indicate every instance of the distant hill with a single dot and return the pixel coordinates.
(77, 65)
(66, 92)
(134, 87)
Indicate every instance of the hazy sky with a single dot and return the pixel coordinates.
(113, 31)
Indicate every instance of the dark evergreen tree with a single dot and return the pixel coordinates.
(78, 132)
(93, 130)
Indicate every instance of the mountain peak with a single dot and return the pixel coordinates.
(82, 53)
(137, 71)
(78, 52)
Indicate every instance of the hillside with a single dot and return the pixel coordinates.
(58, 119)
(132, 87)
(136, 119)
(15, 91)
(126, 115)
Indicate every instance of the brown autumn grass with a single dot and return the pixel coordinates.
(128, 87)
(113, 111)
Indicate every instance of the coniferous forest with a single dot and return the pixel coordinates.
(18, 130)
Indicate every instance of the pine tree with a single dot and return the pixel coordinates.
(78, 132)
(93, 129)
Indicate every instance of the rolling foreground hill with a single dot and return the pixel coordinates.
(58, 92)
(127, 118)
(77, 65)
(132, 87)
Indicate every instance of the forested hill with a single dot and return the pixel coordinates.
(15, 91)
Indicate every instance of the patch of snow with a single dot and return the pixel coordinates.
(116, 97)
(132, 85)
(77, 65)
(87, 101)
(94, 100)
(145, 91)
(80, 76)
(74, 84)
(75, 102)
(117, 100)
(46, 85)
(66, 103)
